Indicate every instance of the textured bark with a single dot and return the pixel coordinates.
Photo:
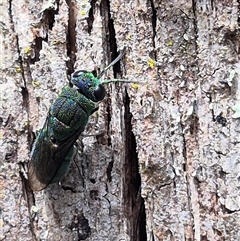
(165, 162)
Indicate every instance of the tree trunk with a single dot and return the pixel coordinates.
(164, 164)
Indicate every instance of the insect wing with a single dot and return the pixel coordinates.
(47, 158)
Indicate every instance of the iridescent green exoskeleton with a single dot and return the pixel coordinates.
(53, 149)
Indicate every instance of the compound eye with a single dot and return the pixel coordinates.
(99, 92)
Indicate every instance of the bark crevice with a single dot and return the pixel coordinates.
(154, 25)
(109, 36)
(238, 1)
(90, 18)
(71, 36)
(110, 48)
(133, 202)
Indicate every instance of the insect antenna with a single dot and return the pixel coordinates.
(107, 81)
(112, 63)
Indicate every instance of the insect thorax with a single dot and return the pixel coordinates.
(69, 113)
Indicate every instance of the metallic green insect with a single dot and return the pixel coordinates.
(53, 149)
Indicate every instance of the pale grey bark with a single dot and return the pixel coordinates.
(179, 124)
